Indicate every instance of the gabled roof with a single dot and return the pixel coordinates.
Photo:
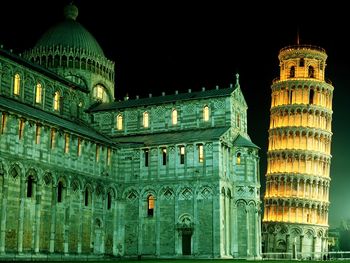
(173, 137)
(56, 121)
(241, 141)
(162, 99)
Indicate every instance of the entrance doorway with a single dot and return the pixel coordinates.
(186, 243)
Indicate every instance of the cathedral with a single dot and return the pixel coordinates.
(84, 174)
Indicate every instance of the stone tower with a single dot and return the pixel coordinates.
(297, 179)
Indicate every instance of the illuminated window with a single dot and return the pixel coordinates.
(311, 96)
(37, 134)
(164, 157)
(59, 192)
(150, 205)
(119, 122)
(109, 153)
(301, 62)
(21, 129)
(182, 154)
(56, 101)
(145, 119)
(3, 122)
(100, 93)
(109, 201)
(30, 184)
(238, 158)
(16, 84)
(38, 93)
(292, 72)
(79, 147)
(311, 72)
(200, 153)
(97, 153)
(66, 143)
(146, 154)
(206, 113)
(53, 138)
(174, 117)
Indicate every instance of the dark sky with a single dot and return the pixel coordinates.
(174, 45)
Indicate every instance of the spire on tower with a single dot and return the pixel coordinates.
(298, 39)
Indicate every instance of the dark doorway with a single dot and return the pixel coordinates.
(186, 243)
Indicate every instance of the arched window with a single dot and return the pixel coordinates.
(59, 192)
(311, 96)
(301, 62)
(16, 84)
(206, 113)
(238, 120)
(87, 197)
(292, 72)
(238, 160)
(174, 117)
(150, 205)
(145, 119)
(38, 93)
(311, 72)
(200, 153)
(119, 122)
(30, 185)
(56, 101)
(100, 93)
(109, 201)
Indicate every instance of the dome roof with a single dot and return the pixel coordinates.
(70, 34)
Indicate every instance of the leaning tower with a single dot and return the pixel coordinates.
(296, 200)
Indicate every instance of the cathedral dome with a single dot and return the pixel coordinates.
(70, 34)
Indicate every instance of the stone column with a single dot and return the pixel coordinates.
(37, 219)
(21, 217)
(157, 207)
(53, 219)
(80, 227)
(3, 217)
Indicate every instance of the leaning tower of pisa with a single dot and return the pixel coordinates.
(296, 200)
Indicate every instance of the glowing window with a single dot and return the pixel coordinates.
(66, 143)
(3, 122)
(145, 119)
(200, 153)
(182, 154)
(37, 134)
(206, 113)
(174, 117)
(16, 84)
(109, 154)
(38, 93)
(56, 101)
(150, 205)
(21, 129)
(53, 138)
(238, 158)
(119, 122)
(97, 153)
(100, 93)
(79, 147)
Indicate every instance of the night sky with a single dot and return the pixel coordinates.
(175, 45)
